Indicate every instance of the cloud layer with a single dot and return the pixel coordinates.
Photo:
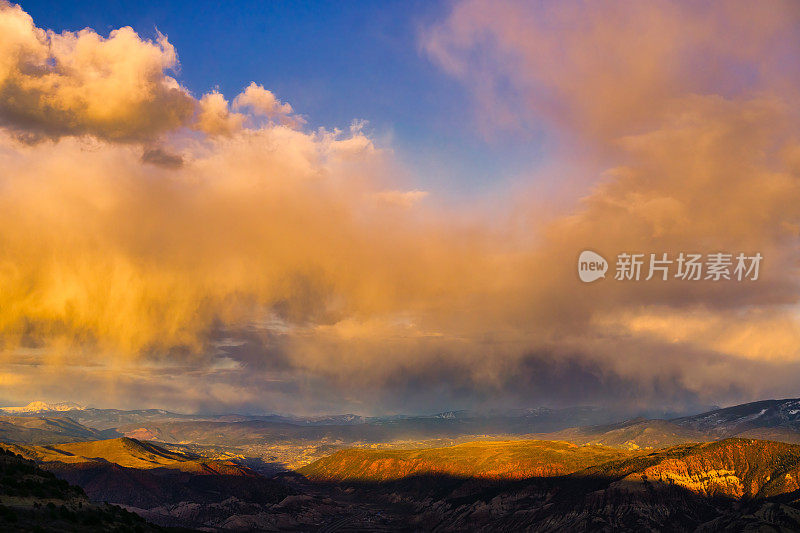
(207, 253)
(79, 83)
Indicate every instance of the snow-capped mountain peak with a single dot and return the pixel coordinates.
(40, 406)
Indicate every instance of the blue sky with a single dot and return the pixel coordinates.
(334, 62)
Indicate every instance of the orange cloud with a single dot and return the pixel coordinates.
(261, 101)
(215, 116)
(81, 83)
(404, 199)
(216, 247)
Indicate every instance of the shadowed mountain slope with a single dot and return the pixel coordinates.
(45, 430)
(632, 434)
(766, 414)
(144, 476)
(776, 420)
(32, 499)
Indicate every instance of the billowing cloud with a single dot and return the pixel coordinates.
(215, 116)
(115, 88)
(685, 115)
(614, 68)
(76, 83)
(262, 102)
(230, 249)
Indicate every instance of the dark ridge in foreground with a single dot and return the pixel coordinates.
(144, 476)
(32, 499)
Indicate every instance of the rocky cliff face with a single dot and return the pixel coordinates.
(734, 468)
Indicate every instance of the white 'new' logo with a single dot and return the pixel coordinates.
(591, 266)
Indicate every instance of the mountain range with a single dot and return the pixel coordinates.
(533, 469)
(46, 430)
(777, 420)
(38, 407)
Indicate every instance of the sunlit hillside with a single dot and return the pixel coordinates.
(732, 468)
(730, 485)
(129, 453)
(486, 459)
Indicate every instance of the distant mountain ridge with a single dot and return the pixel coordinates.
(97, 417)
(740, 418)
(767, 419)
(775, 420)
(47, 430)
(43, 407)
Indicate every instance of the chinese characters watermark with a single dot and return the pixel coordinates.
(663, 266)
